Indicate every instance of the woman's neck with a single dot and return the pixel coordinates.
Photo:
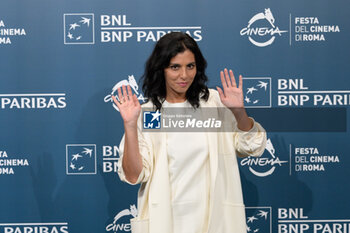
(175, 98)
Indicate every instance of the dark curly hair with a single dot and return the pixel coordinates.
(166, 48)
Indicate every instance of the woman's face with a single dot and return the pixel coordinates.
(179, 76)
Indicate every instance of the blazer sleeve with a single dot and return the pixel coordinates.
(250, 143)
(145, 147)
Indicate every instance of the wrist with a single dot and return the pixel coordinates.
(244, 123)
(130, 125)
(239, 112)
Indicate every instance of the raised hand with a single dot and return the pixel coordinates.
(130, 108)
(232, 95)
(128, 104)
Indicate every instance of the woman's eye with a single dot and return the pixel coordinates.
(191, 66)
(174, 67)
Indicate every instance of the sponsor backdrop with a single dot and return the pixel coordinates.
(59, 130)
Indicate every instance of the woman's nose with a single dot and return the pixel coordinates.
(183, 73)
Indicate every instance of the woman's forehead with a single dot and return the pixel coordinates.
(184, 57)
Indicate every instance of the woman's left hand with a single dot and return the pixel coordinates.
(232, 95)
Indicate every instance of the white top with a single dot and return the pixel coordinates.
(188, 157)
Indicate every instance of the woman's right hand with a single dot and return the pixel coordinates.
(129, 106)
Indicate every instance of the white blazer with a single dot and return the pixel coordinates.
(226, 208)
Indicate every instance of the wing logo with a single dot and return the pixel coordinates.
(79, 28)
(80, 159)
(257, 92)
(258, 219)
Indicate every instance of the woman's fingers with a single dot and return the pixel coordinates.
(240, 82)
(120, 96)
(233, 80)
(221, 93)
(125, 94)
(223, 81)
(115, 101)
(129, 92)
(227, 77)
(136, 101)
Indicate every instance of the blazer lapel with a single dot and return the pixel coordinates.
(213, 148)
(160, 203)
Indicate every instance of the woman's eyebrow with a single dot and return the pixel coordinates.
(177, 64)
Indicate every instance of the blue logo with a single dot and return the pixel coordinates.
(151, 120)
(257, 92)
(81, 159)
(79, 29)
(258, 219)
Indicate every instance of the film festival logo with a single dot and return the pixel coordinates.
(8, 165)
(126, 227)
(7, 34)
(131, 81)
(264, 165)
(80, 159)
(257, 92)
(259, 219)
(261, 29)
(79, 28)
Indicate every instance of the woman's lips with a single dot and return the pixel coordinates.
(182, 84)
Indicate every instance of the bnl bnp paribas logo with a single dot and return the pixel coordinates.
(259, 219)
(257, 92)
(261, 29)
(79, 28)
(81, 159)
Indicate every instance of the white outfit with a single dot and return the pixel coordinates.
(226, 212)
(188, 157)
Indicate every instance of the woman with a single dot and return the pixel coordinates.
(189, 182)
